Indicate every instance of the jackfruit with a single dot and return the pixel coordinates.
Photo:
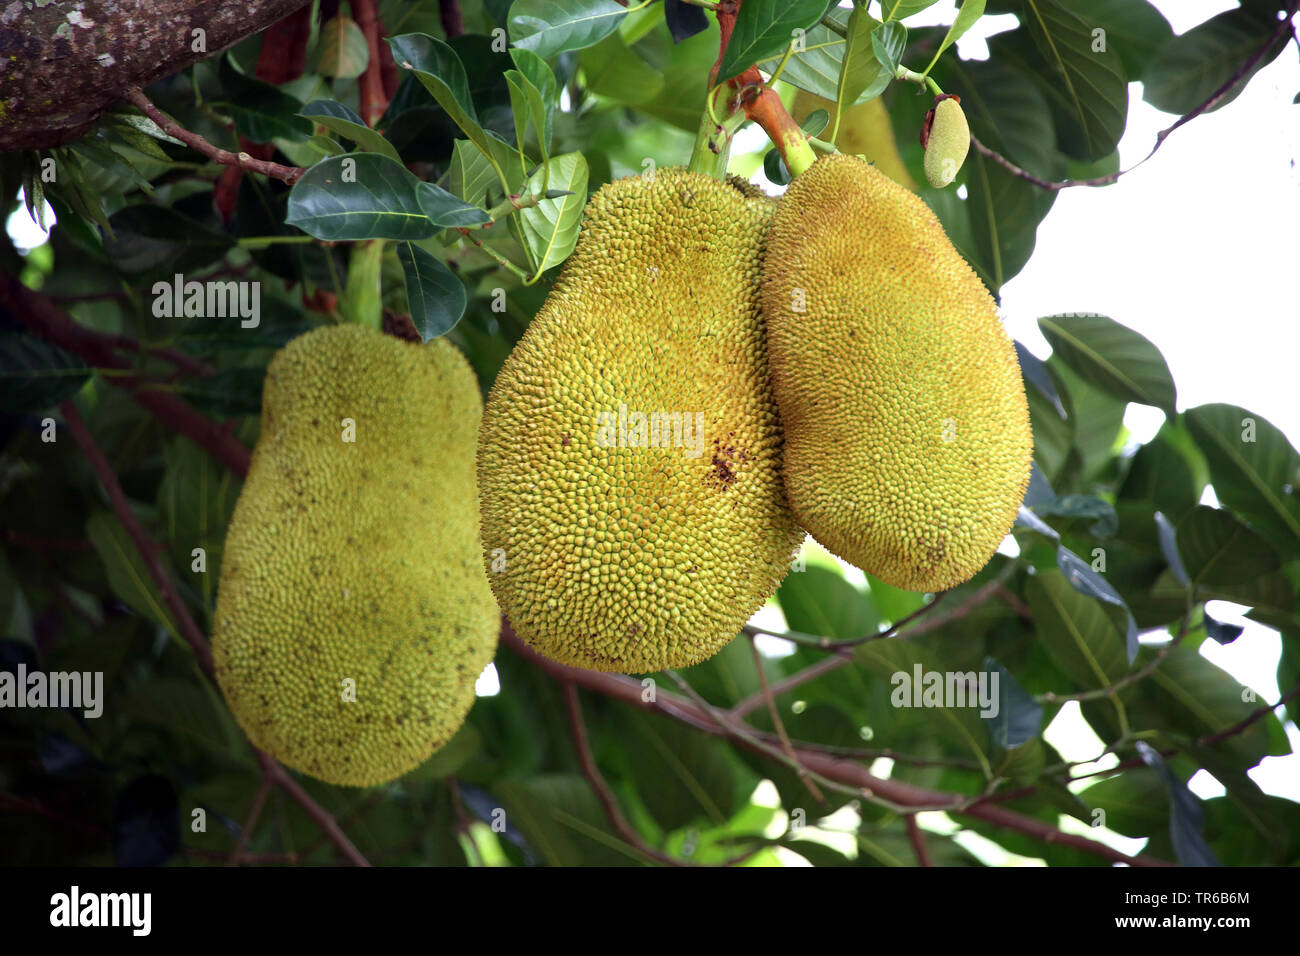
(865, 130)
(629, 459)
(946, 139)
(907, 438)
(353, 616)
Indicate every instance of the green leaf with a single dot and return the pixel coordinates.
(967, 17)
(901, 9)
(127, 575)
(359, 196)
(196, 499)
(1189, 68)
(561, 822)
(1078, 635)
(548, 27)
(766, 27)
(1254, 469)
(887, 44)
(445, 210)
(342, 51)
(340, 119)
(1135, 28)
(1112, 358)
(549, 230)
(1004, 215)
(470, 174)
(819, 601)
(34, 374)
(261, 112)
(1217, 549)
(1087, 89)
(227, 394)
(1006, 111)
(436, 297)
(1133, 801)
(440, 70)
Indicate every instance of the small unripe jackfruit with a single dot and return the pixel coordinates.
(907, 439)
(353, 617)
(946, 139)
(865, 130)
(629, 459)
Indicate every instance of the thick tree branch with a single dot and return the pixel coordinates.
(918, 841)
(67, 62)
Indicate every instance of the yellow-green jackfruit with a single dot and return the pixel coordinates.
(907, 439)
(353, 617)
(629, 459)
(946, 141)
(865, 130)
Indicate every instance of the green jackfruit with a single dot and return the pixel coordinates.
(629, 459)
(907, 439)
(352, 559)
(946, 141)
(865, 130)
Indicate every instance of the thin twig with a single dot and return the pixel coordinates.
(290, 174)
(918, 841)
(149, 551)
(827, 767)
(254, 814)
(319, 814)
(777, 723)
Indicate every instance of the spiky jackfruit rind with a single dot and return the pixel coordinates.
(907, 437)
(357, 560)
(634, 559)
(946, 141)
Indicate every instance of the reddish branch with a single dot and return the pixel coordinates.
(47, 321)
(290, 174)
(373, 102)
(149, 554)
(453, 24)
(149, 551)
(831, 767)
(918, 841)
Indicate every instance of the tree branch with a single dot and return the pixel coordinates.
(453, 24)
(918, 841)
(827, 766)
(779, 726)
(45, 320)
(290, 174)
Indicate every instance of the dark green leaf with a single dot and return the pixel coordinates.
(227, 394)
(1255, 470)
(1185, 813)
(819, 601)
(359, 196)
(35, 374)
(334, 116)
(766, 27)
(436, 297)
(1077, 633)
(1111, 357)
(1220, 550)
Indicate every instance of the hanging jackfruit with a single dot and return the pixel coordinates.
(946, 140)
(907, 439)
(629, 459)
(353, 617)
(865, 130)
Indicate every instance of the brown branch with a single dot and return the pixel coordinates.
(290, 174)
(47, 321)
(322, 818)
(918, 841)
(846, 772)
(149, 552)
(370, 85)
(1284, 27)
(254, 814)
(188, 629)
(779, 726)
(453, 24)
(463, 823)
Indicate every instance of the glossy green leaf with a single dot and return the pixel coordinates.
(548, 27)
(35, 374)
(436, 297)
(1111, 357)
(1078, 635)
(549, 230)
(340, 119)
(765, 28)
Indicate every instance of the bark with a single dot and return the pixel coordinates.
(63, 63)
